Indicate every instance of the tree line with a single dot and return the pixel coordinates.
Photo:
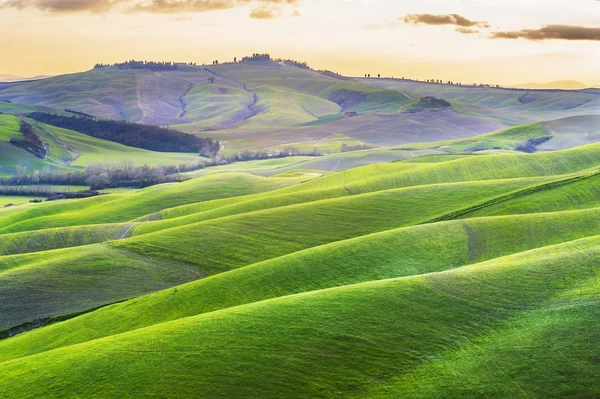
(98, 176)
(147, 137)
(147, 65)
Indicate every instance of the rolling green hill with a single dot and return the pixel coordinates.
(69, 150)
(441, 276)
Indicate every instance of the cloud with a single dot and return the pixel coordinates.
(466, 31)
(62, 6)
(264, 9)
(552, 32)
(262, 13)
(448, 19)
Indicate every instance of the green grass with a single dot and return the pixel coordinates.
(450, 275)
(505, 139)
(69, 150)
(577, 195)
(44, 240)
(15, 200)
(231, 242)
(128, 206)
(391, 254)
(40, 285)
(339, 342)
(22, 109)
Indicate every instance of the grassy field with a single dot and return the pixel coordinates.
(450, 269)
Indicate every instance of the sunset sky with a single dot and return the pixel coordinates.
(493, 41)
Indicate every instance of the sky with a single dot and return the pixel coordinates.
(471, 41)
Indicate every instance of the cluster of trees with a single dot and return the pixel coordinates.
(148, 137)
(31, 141)
(247, 155)
(26, 191)
(102, 176)
(451, 83)
(297, 64)
(45, 177)
(148, 65)
(126, 175)
(257, 58)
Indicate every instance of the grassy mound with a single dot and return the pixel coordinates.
(338, 342)
(391, 254)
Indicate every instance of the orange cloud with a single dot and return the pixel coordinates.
(552, 32)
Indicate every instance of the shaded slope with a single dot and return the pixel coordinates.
(37, 286)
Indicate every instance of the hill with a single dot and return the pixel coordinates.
(70, 150)
(4, 77)
(538, 104)
(560, 85)
(260, 105)
(388, 280)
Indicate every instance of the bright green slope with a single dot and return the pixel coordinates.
(232, 242)
(44, 240)
(128, 206)
(342, 286)
(341, 342)
(395, 253)
(68, 148)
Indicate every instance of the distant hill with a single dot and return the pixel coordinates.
(15, 78)
(536, 105)
(262, 104)
(559, 84)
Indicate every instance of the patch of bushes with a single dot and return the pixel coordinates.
(126, 175)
